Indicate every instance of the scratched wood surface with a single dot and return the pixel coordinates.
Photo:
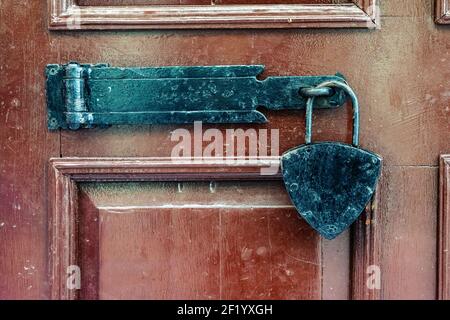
(234, 240)
(401, 74)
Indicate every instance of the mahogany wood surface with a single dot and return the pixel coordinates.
(400, 72)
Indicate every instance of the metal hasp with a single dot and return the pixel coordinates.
(330, 183)
(86, 95)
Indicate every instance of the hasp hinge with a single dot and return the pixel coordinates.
(87, 95)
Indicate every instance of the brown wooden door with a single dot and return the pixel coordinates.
(109, 202)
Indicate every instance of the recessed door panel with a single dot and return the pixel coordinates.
(195, 240)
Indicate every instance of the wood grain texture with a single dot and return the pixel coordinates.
(68, 15)
(444, 229)
(442, 11)
(141, 257)
(284, 265)
(251, 232)
(401, 74)
(260, 255)
(337, 263)
(398, 117)
(88, 236)
(205, 2)
(408, 205)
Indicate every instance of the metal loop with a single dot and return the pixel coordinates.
(317, 92)
(355, 104)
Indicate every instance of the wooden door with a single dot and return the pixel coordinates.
(109, 204)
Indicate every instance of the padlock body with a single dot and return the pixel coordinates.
(330, 183)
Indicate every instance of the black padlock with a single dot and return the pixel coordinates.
(330, 183)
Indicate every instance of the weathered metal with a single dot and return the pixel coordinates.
(331, 183)
(88, 95)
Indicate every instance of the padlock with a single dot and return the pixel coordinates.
(330, 183)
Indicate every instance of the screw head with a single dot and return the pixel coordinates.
(53, 71)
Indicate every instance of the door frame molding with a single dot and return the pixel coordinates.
(68, 15)
(442, 8)
(444, 229)
(366, 250)
(65, 173)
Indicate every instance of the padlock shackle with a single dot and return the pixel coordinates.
(355, 105)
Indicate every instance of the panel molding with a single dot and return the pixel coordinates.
(444, 229)
(67, 15)
(442, 11)
(65, 173)
(366, 250)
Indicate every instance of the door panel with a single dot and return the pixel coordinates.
(163, 241)
(232, 237)
(25, 147)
